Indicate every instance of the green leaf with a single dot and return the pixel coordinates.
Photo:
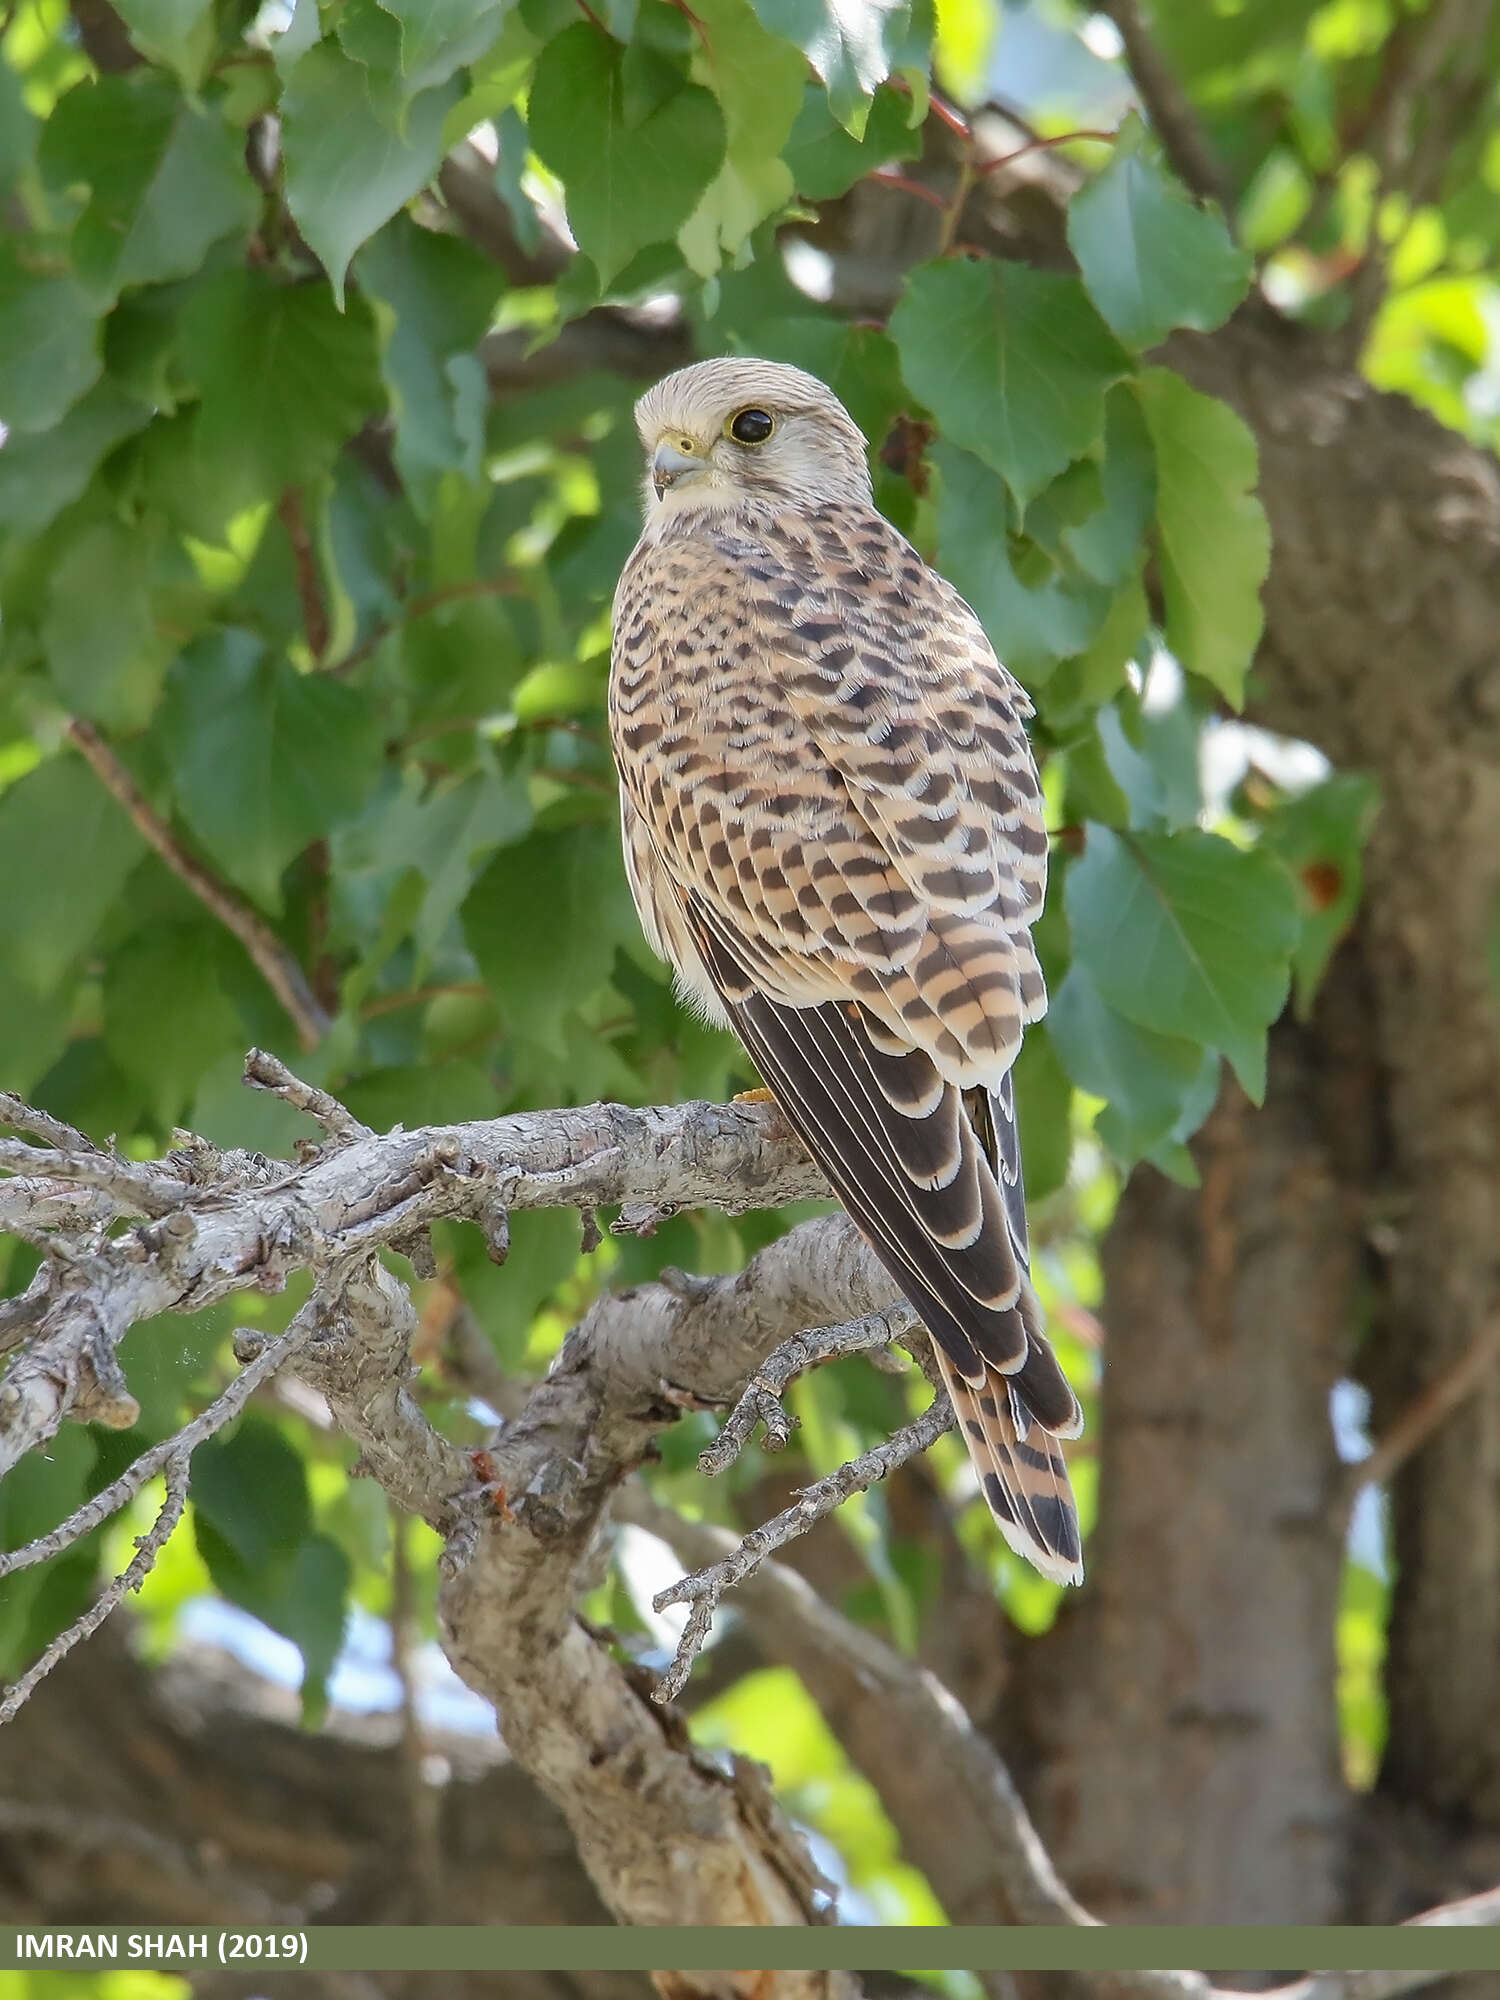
(826, 160)
(104, 649)
(36, 1025)
(347, 171)
(1030, 626)
(758, 80)
(446, 832)
(1044, 1098)
(264, 759)
(40, 475)
(1152, 755)
(285, 378)
(851, 44)
(49, 342)
(1079, 685)
(1015, 362)
(252, 1520)
(1320, 835)
(166, 180)
(1108, 543)
(305, 1598)
(166, 1017)
(179, 33)
(963, 49)
(41, 1490)
(543, 922)
(311, 1608)
(1214, 541)
(1149, 1081)
(251, 1488)
(65, 851)
(1151, 258)
(18, 129)
(1187, 935)
(634, 164)
(439, 296)
(438, 36)
(543, 1254)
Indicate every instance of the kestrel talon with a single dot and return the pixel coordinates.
(833, 832)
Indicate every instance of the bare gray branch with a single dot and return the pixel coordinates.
(703, 1589)
(148, 1548)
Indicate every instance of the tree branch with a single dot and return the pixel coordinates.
(232, 1229)
(274, 962)
(960, 1818)
(270, 1073)
(181, 1445)
(1420, 1420)
(148, 1548)
(316, 623)
(760, 1400)
(666, 1837)
(466, 181)
(1176, 124)
(703, 1589)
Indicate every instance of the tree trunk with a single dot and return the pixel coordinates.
(1184, 1707)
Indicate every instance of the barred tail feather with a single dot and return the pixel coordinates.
(1022, 1472)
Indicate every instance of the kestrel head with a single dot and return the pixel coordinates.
(723, 432)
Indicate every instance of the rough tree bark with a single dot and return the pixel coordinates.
(1183, 1713)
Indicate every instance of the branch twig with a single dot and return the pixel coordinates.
(148, 1548)
(1420, 1420)
(703, 1589)
(760, 1401)
(272, 959)
(134, 1189)
(221, 1412)
(240, 1223)
(23, 1117)
(270, 1073)
(960, 1817)
(1176, 123)
(315, 620)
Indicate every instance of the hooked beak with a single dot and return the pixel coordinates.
(668, 465)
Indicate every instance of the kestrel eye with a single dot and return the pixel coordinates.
(751, 427)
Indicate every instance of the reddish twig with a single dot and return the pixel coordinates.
(393, 1003)
(1042, 146)
(418, 607)
(1176, 123)
(1422, 1418)
(272, 959)
(315, 620)
(888, 177)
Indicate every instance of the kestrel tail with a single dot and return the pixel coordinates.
(833, 833)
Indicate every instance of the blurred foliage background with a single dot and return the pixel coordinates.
(314, 491)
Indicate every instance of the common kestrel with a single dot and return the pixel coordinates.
(833, 832)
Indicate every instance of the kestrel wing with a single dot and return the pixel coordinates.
(838, 1089)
